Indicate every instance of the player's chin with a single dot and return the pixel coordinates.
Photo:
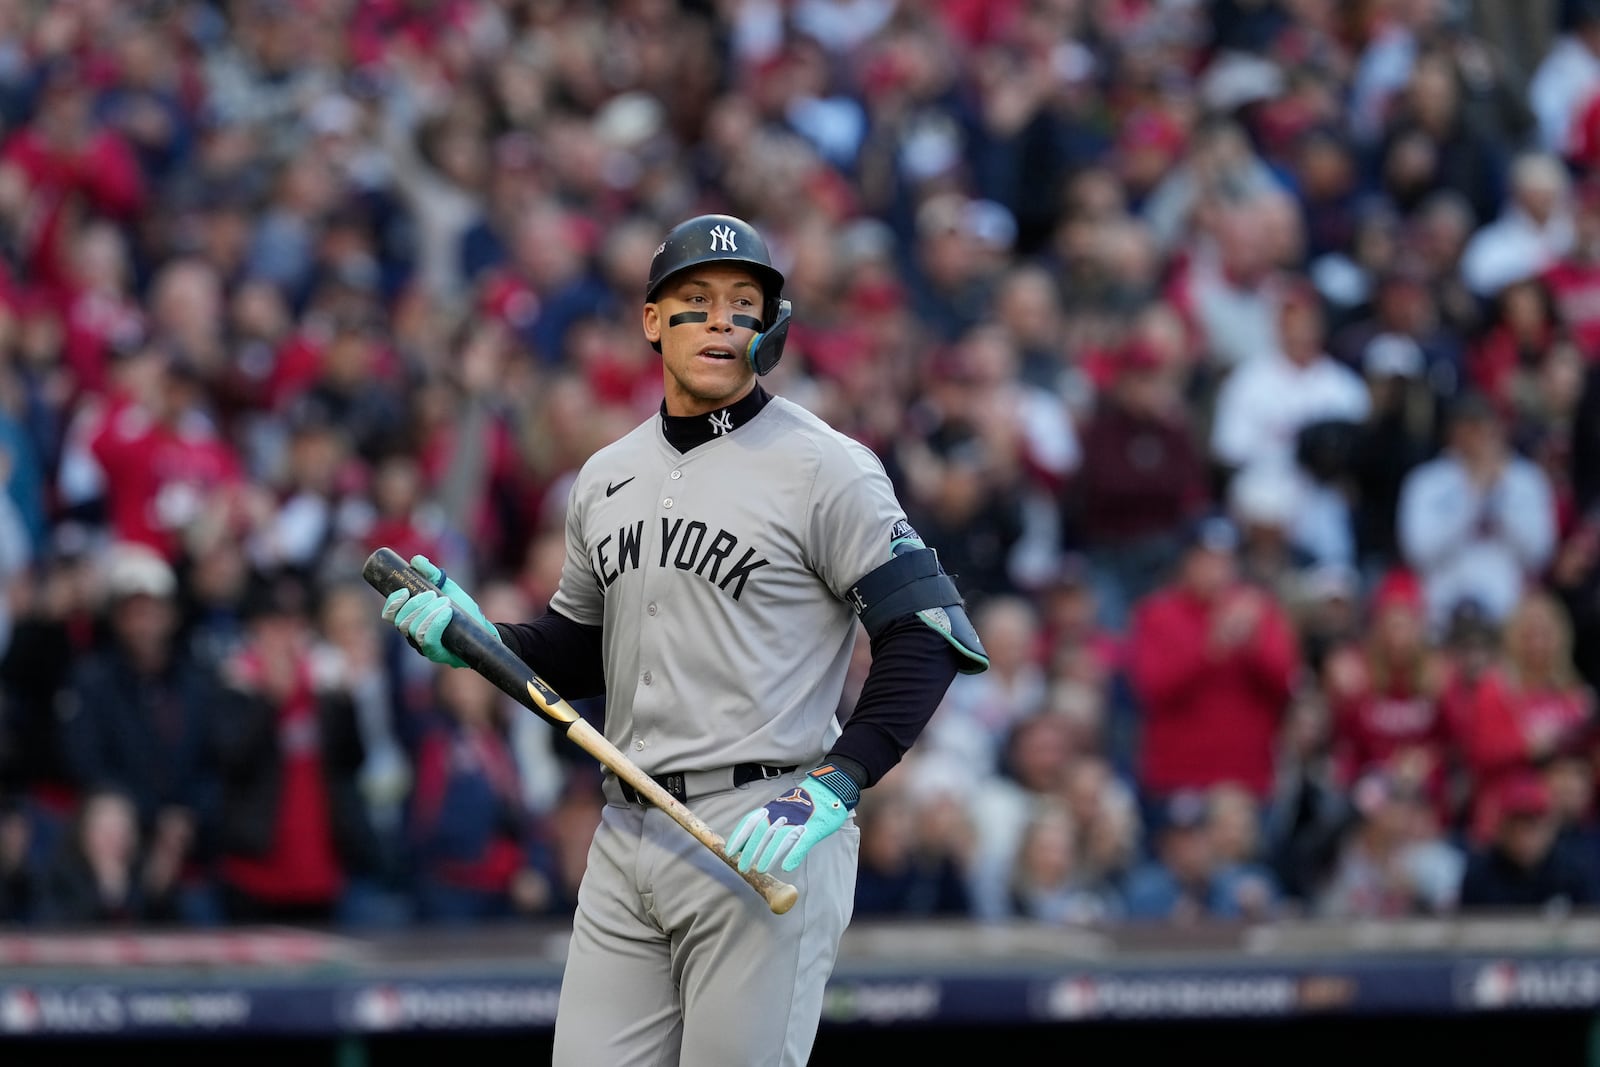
(717, 380)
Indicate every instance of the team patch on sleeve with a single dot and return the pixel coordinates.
(902, 531)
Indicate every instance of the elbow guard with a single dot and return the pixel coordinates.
(913, 582)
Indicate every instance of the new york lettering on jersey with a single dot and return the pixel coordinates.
(687, 544)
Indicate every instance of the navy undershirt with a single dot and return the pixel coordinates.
(684, 432)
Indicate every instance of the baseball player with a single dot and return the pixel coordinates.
(718, 559)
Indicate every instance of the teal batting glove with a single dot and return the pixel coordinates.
(788, 827)
(423, 618)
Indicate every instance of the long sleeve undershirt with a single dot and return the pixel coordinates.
(912, 666)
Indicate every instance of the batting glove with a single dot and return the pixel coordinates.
(789, 826)
(423, 617)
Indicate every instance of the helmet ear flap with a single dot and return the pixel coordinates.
(766, 347)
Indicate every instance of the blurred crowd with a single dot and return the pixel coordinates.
(1238, 356)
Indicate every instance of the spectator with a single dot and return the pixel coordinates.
(136, 711)
(354, 384)
(1027, 304)
(1522, 865)
(1386, 694)
(1265, 404)
(1409, 301)
(16, 888)
(146, 104)
(1569, 777)
(1431, 144)
(561, 850)
(1327, 612)
(1212, 662)
(1567, 76)
(1478, 520)
(1308, 811)
(469, 828)
(1106, 812)
(258, 76)
(906, 870)
(1521, 332)
(1036, 765)
(63, 158)
(1575, 578)
(1028, 431)
(1399, 434)
(1525, 709)
(1233, 815)
(1261, 503)
(157, 452)
(56, 626)
(1187, 881)
(546, 286)
(100, 876)
(1227, 286)
(1574, 282)
(1141, 481)
(1048, 885)
(975, 720)
(948, 290)
(965, 479)
(348, 657)
(1393, 862)
(101, 318)
(549, 766)
(294, 829)
(438, 155)
(1544, 414)
(1532, 233)
(1219, 162)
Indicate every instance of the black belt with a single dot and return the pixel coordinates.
(677, 784)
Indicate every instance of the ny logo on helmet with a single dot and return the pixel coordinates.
(722, 239)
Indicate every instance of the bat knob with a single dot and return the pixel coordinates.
(782, 898)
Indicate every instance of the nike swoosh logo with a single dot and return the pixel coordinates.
(613, 488)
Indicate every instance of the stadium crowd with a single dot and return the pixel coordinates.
(1241, 357)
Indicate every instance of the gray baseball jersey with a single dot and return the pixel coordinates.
(718, 575)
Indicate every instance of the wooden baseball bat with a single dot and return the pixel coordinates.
(386, 571)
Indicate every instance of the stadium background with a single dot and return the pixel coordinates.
(1306, 289)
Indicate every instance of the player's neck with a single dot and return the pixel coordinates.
(684, 432)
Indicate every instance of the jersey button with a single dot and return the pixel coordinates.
(638, 744)
(651, 609)
(676, 475)
(647, 677)
(667, 503)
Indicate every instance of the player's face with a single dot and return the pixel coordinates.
(704, 320)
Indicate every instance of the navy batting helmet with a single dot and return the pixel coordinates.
(726, 239)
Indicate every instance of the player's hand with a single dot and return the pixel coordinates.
(787, 827)
(423, 618)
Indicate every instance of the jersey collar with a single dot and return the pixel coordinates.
(684, 432)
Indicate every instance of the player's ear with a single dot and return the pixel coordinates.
(652, 324)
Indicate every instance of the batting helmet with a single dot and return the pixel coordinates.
(726, 239)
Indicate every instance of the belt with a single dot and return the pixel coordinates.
(688, 784)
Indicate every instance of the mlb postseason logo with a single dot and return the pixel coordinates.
(449, 1006)
(77, 1010)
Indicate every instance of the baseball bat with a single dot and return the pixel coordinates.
(386, 571)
